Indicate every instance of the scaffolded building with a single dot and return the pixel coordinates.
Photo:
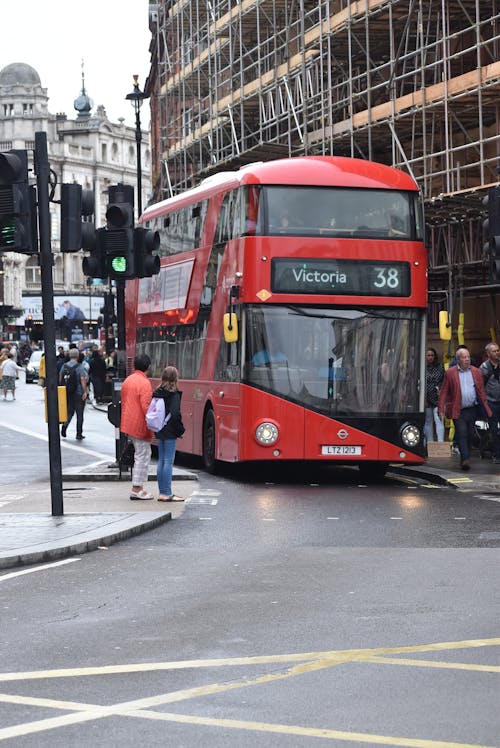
(410, 83)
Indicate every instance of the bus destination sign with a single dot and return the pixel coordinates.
(340, 277)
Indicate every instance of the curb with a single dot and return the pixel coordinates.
(86, 541)
(423, 474)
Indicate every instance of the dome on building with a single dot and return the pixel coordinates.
(18, 73)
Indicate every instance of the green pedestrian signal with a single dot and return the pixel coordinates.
(7, 232)
(17, 204)
(119, 265)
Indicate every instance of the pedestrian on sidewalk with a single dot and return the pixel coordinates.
(461, 393)
(490, 370)
(434, 375)
(9, 370)
(73, 375)
(136, 394)
(171, 431)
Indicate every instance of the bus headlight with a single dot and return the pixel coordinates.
(266, 433)
(410, 435)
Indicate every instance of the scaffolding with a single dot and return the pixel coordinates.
(410, 83)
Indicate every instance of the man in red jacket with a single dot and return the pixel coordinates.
(136, 394)
(460, 394)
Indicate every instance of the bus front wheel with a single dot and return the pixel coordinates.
(209, 460)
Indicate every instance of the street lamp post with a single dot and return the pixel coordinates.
(136, 96)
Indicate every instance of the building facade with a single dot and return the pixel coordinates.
(409, 83)
(89, 150)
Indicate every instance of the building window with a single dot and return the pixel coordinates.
(32, 272)
(8, 110)
(131, 155)
(104, 152)
(59, 270)
(114, 152)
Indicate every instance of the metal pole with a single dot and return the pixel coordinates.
(120, 318)
(42, 170)
(138, 138)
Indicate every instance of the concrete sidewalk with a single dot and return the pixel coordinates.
(98, 510)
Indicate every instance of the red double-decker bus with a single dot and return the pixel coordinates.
(292, 298)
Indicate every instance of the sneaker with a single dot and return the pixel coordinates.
(465, 465)
(455, 450)
(80, 437)
(63, 431)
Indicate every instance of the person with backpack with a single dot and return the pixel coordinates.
(172, 429)
(136, 393)
(72, 375)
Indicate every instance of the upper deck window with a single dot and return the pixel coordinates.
(339, 212)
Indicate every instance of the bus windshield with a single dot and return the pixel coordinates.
(359, 362)
(338, 211)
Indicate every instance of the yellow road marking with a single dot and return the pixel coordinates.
(434, 663)
(345, 655)
(313, 732)
(299, 664)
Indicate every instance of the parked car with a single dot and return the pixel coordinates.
(33, 367)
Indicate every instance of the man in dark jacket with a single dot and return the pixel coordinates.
(76, 399)
(490, 370)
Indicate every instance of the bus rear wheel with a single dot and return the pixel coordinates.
(209, 460)
(373, 471)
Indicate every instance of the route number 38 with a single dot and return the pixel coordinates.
(386, 278)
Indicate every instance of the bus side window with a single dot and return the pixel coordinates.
(250, 209)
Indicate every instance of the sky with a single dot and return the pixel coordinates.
(112, 38)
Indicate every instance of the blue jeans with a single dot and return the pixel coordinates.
(431, 414)
(464, 429)
(166, 454)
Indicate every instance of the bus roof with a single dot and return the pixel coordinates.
(319, 171)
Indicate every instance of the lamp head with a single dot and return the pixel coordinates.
(136, 96)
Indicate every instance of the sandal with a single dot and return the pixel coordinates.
(140, 495)
(162, 497)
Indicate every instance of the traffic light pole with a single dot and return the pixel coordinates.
(120, 319)
(42, 170)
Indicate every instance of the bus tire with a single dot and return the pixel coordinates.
(373, 471)
(209, 439)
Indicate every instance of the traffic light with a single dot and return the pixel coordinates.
(77, 227)
(145, 243)
(94, 266)
(491, 228)
(108, 310)
(118, 236)
(17, 203)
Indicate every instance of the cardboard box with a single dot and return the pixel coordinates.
(438, 450)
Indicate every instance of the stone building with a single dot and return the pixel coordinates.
(88, 149)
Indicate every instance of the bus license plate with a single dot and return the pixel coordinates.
(340, 449)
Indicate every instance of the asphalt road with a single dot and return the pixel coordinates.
(277, 610)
